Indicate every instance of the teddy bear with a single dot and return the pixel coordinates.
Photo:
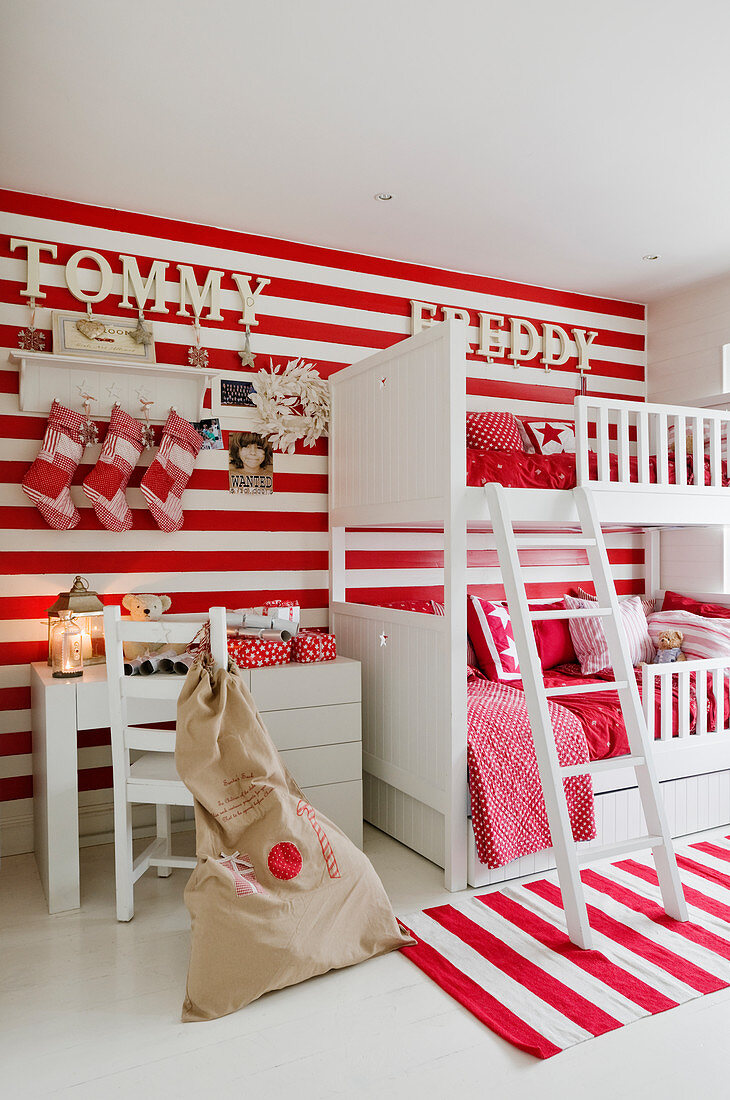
(670, 647)
(145, 607)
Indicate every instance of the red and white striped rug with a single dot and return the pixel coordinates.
(506, 956)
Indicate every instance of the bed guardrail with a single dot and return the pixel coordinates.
(707, 675)
(632, 445)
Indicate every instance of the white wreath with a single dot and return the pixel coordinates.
(292, 405)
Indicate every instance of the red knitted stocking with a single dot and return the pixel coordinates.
(165, 481)
(106, 485)
(48, 479)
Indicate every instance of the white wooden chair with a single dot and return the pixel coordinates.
(152, 777)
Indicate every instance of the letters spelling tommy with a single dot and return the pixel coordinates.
(142, 289)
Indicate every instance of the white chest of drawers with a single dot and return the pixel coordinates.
(311, 711)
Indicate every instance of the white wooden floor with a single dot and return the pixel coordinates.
(91, 1008)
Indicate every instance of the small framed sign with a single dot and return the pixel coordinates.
(231, 393)
(105, 337)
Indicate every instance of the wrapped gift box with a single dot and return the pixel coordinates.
(309, 646)
(281, 609)
(255, 652)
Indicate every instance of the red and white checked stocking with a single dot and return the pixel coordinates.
(106, 485)
(165, 481)
(48, 479)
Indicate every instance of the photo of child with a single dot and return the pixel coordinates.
(250, 463)
(210, 432)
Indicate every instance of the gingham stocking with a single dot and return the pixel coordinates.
(165, 481)
(106, 485)
(48, 479)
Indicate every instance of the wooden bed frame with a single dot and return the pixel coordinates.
(398, 458)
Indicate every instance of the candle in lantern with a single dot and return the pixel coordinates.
(67, 648)
(85, 645)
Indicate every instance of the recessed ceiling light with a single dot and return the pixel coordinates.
(651, 256)
(383, 196)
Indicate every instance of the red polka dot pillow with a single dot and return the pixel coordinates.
(490, 631)
(493, 431)
(551, 437)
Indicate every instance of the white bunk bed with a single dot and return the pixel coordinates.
(398, 458)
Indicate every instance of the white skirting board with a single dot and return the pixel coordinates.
(96, 822)
(692, 803)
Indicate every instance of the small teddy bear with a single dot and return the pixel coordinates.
(146, 607)
(670, 648)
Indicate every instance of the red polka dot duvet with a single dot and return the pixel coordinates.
(507, 805)
(279, 893)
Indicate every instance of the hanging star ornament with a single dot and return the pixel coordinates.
(141, 334)
(383, 639)
(247, 356)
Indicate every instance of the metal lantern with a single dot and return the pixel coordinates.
(88, 613)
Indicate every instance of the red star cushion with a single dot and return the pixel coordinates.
(550, 437)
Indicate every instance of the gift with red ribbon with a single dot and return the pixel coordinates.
(309, 646)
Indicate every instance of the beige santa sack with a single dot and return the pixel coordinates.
(276, 930)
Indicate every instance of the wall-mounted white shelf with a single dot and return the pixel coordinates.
(44, 377)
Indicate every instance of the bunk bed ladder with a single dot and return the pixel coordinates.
(568, 858)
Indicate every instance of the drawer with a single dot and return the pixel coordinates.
(309, 726)
(325, 764)
(341, 803)
(285, 687)
(92, 707)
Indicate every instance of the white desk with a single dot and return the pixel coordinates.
(313, 713)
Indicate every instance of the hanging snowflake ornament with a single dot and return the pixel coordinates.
(31, 338)
(197, 356)
(88, 433)
(148, 431)
(247, 356)
(141, 334)
(292, 405)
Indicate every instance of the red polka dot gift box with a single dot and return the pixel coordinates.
(258, 652)
(309, 646)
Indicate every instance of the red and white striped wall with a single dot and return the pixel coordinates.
(331, 308)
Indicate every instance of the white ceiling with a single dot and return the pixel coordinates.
(550, 141)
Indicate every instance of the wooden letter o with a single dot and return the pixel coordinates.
(72, 275)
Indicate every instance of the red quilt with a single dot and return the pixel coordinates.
(518, 470)
(600, 714)
(508, 809)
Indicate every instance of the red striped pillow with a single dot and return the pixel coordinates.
(646, 601)
(493, 431)
(590, 641)
(702, 637)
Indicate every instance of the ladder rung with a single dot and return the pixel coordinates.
(612, 764)
(587, 689)
(553, 542)
(572, 613)
(623, 848)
